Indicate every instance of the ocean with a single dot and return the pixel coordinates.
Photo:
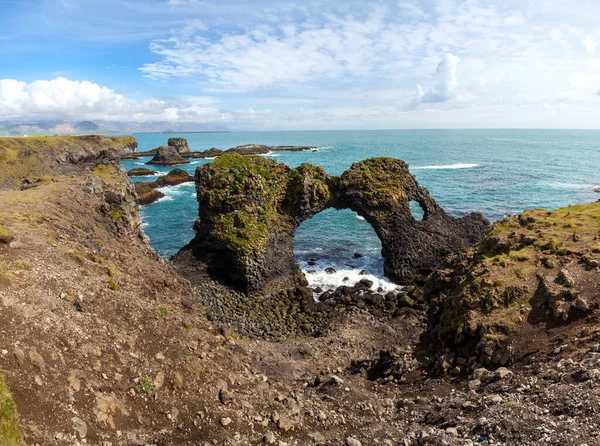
(495, 172)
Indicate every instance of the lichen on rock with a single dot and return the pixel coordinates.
(250, 208)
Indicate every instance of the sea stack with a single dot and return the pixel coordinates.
(181, 145)
(167, 156)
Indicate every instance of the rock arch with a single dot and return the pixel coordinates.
(250, 208)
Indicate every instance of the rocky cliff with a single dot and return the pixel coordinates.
(102, 342)
(251, 206)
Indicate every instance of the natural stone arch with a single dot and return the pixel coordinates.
(250, 208)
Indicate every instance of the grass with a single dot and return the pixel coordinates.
(5, 235)
(10, 432)
(113, 285)
(145, 385)
(550, 236)
(164, 311)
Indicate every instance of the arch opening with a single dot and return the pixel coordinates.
(340, 248)
(416, 209)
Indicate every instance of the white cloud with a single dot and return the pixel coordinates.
(445, 75)
(590, 45)
(63, 98)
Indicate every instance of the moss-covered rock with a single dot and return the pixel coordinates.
(10, 432)
(251, 206)
(140, 172)
(539, 267)
(38, 156)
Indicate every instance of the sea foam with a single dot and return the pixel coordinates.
(448, 166)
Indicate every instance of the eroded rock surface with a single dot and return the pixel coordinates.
(251, 207)
(167, 156)
(179, 144)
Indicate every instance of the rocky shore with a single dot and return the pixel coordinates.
(147, 193)
(102, 342)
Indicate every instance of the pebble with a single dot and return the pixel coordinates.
(270, 438)
(351, 441)
(225, 421)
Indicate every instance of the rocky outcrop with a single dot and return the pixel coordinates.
(213, 152)
(251, 207)
(37, 156)
(261, 149)
(147, 193)
(141, 172)
(180, 144)
(167, 156)
(531, 279)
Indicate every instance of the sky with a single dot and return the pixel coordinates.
(293, 65)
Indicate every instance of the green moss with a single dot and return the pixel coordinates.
(10, 432)
(381, 181)
(116, 214)
(164, 311)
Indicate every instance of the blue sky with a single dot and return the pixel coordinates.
(303, 65)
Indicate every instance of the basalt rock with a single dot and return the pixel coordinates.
(141, 172)
(250, 208)
(180, 144)
(261, 149)
(167, 156)
(147, 193)
(213, 152)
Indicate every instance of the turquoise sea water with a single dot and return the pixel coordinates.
(495, 172)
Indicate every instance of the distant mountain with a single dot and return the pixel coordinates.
(16, 128)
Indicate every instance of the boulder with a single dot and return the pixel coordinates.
(180, 144)
(167, 156)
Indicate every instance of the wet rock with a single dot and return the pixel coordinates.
(330, 270)
(325, 296)
(357, 255)
(366, 282)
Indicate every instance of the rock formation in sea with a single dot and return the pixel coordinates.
(147, 193)
(167, 156)
(179, 144)
(140, 172)
(210, 153)
(261, 149)
(250, 208)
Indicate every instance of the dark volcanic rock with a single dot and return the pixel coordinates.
(167, 156)
(250, 208)
(173, 178)
(250, 149)
(140, 172)
(213, 152)
(146, 193)
(181, 145)
(261, 149)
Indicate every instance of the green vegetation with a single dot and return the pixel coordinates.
(382, 181)
(252, 187)
(5, 235)
(113, 285)
(494, 287)
(145, 385)
(163, 311)
(10, 432)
